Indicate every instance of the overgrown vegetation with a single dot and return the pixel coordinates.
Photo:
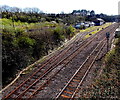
(24, 43)
(108, 84)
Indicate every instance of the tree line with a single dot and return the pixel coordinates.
(32, 15)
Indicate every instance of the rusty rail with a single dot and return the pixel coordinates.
(76, 77)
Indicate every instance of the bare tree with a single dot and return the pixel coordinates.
(35, 10)
(5, 8)
(16, 10)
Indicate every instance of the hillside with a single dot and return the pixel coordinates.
(23, 43)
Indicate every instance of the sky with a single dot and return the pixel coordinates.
(109, 7)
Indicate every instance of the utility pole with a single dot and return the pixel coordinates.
(107, 37)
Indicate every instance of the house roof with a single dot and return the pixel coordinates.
(100, 19)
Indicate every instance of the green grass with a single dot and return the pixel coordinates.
(95, 27)
(92, 33)
(9, 23)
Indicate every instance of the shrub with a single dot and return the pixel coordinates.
(70, 30)
(25, 42)
(58, 33)
(20, 32)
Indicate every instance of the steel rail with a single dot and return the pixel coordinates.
(87, 71)
(34, 74)
(78, 70)
(50, 69)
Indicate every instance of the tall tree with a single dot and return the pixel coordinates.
(92, 13)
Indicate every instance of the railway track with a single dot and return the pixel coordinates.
(28, 88)
(75, 82)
